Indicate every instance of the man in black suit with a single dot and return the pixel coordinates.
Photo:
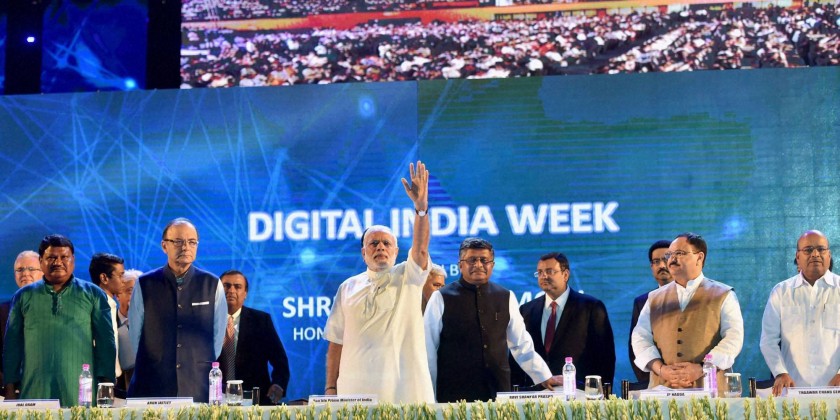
(582, 328)
(251, 342)
(659, 269)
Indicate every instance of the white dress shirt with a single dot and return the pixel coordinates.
(561, 304)
(236, 319)
(113, 304)
(800, 330)
(518, 340)
(731, 329)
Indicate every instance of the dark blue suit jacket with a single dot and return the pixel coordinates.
(638, 304)
(257, 347)
(583, 332)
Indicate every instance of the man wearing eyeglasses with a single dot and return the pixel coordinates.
(375, 332)
(799, 330)
(178, 318)
(662, 276)
(566, 323)
(27, 270)
(687, 319)
(471, 324)
(55, 326)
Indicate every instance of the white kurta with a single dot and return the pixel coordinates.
(376, 317)
(800, 330)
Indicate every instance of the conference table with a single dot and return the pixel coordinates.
(554, 408)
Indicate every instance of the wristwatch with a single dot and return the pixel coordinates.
(420, 213)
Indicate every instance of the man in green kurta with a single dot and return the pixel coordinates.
(55, 326)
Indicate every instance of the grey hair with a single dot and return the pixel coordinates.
(132, 274)
(27, 254)
(437, 269)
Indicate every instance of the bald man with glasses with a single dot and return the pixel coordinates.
(799, 329)
(178, 317)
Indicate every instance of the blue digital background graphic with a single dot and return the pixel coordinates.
(94, 46)
(2, 51)
(747, 159)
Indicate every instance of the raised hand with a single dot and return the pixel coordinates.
(418, 190)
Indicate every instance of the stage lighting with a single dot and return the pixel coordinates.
(307, 256)
(30, 39)
(130, 84)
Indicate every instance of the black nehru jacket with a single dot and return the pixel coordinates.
(473, 352)
(176, 345)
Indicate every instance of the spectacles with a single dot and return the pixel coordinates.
(21, 270)
(63, 258)
(180, 242)
(548, 272)
(657, 261)
(680, 254)
(473, 260)
(808, 250)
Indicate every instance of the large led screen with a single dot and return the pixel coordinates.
(280, 182)
(287, 42)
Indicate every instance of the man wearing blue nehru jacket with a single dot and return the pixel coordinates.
(178, 317)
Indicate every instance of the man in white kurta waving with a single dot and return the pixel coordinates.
(375, 332)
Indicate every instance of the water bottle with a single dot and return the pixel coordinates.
(709, 376)
(85, 386)
(216, 396)
(569, 383)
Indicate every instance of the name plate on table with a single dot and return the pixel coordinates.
(673, 393)
(527, 396)
(30, 404)
(158, 402)
(810, 391)
(346, 398)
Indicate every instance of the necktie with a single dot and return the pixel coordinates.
(229, 351)
(549, 329)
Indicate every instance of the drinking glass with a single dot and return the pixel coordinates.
(733, 385)
(233, 395)
(592, 387)
(105, 395)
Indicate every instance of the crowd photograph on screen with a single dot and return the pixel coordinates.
(287, 42)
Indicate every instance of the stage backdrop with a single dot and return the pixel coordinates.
(94, 46)
(281, 181)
